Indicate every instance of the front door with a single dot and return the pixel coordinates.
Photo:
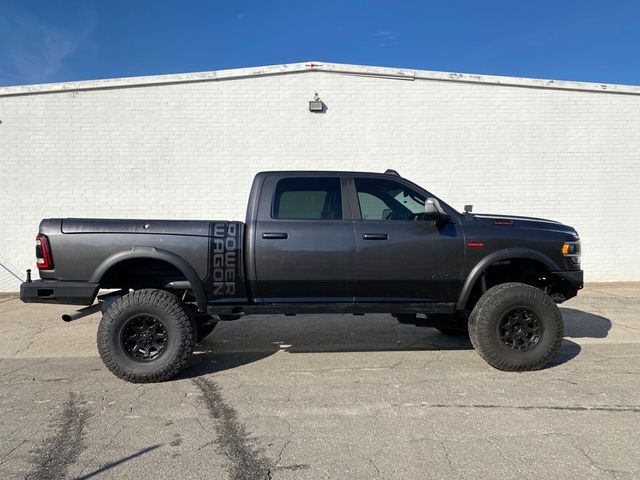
(305, 249)
(399, 256)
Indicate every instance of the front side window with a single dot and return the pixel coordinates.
(308, 199)
(381, 199)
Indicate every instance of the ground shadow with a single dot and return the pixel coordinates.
(111, 465)
(568, 351)
(237, 343)
(207, 360)
(581, 324)
(245, 341)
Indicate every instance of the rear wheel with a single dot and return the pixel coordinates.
(516, 327)
(146, 336)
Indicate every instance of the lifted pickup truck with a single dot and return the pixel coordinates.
(313, 242)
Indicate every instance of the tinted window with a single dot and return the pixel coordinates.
(387, 200)
(308, 199)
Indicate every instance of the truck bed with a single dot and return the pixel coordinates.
(205, 255)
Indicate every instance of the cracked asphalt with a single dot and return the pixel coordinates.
(324, 397)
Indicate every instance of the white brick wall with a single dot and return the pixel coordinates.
(190, 150)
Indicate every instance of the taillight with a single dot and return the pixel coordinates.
(43, 253)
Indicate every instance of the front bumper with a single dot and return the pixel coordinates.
(573, 281)
(52, 291)
(574, 277)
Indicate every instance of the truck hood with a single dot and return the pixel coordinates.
(527, 222)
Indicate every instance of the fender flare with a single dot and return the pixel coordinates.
(506, 254)
(157, 254)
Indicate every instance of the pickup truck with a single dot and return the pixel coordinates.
(313, 242)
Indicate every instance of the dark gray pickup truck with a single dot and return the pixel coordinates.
(313, 242)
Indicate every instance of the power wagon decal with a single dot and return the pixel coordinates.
(225, 281)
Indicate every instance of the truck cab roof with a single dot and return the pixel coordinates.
(337, 173)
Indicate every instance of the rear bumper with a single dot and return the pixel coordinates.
(51, 291)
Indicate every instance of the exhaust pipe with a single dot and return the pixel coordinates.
(104, 302)
(83, 312)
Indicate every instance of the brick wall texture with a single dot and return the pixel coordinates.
(190, 150)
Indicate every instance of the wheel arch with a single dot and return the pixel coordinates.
(154, 254)
(506, 254)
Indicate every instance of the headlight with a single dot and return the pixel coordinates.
(572, 250)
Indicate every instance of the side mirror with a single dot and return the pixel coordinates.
(433, 211)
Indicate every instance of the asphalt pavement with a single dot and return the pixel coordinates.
(324, 397)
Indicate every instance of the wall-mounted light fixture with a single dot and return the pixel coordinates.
(316, 105)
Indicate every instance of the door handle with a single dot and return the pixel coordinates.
(274, 235)
(375, 236)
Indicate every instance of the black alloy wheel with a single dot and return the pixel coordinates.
(144, 338)
(520, 329)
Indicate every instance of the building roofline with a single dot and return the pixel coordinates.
(360, 70)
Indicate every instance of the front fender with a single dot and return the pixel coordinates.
(157, 254)
(506, 254)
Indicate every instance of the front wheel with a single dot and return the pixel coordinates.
(146, 336)
(516, 327)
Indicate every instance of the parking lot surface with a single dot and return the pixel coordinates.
(324, 397)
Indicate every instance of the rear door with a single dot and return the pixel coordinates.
(304, 246)
(399, 256)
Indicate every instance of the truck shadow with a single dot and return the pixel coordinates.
(237, 343)
(581, 324)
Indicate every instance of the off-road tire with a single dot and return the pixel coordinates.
(485, 334)
(174, 317)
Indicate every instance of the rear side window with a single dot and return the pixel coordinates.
(308, 199)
